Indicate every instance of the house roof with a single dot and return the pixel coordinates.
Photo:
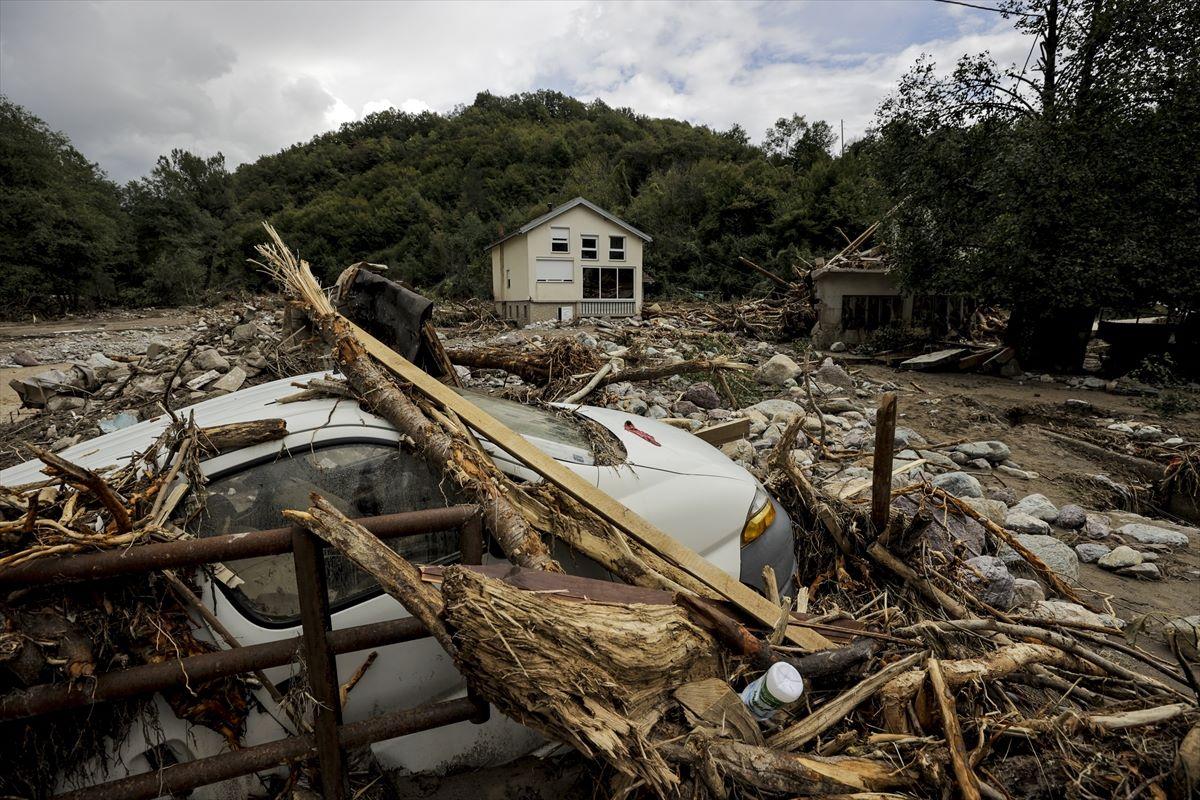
(565, 207)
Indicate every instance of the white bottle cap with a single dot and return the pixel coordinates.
(784, 682)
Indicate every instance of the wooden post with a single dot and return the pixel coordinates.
(470, 540)
(881, 473)
(308, 554)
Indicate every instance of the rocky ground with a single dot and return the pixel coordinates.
(1008, 447)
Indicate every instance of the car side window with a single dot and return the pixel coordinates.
(361, 480)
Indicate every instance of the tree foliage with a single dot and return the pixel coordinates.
(1063, 188)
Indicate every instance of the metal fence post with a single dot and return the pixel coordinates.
(308, 552)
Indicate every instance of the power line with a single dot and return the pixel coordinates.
(989, 8)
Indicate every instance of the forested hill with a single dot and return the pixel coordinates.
(426, 193)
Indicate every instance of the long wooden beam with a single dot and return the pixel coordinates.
(577, 488)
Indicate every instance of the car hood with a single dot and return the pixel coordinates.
(677, 450)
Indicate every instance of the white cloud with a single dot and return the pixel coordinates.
(128, 81)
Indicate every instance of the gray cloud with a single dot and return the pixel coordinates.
(129, 81)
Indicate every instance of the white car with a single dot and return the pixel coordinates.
(678, 482)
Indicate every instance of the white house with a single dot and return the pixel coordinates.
(576, 260)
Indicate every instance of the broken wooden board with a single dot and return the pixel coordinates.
(976, 360)
(939, 359)
(730, 431)
(607, 508)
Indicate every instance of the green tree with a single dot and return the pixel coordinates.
(63, 238)
(798, 143)
(1049, 189)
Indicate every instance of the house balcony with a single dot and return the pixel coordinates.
(607, 308)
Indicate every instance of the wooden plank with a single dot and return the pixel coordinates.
(576, 487)
(939, 358)
(881, 472)
(729, 431)
(855, 486)
(974, 360)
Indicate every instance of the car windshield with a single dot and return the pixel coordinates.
(539, 423)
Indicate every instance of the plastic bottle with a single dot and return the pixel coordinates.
(773, 690)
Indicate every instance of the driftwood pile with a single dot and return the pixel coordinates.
(66, 634)
(919, 688)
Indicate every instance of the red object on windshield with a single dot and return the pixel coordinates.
(629, 426)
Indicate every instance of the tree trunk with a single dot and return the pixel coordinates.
(1050, 339)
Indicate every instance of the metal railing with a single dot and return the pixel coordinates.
(318, 645)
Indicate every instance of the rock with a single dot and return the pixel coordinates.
(1071, 517)
(992, 451)
(1062, 611)
(150, 386)
(833, 375)
(839, 405)
(990, 581)
(231, 381)
(907, 437)
(1054, 554)
(633, 405)
(740, 450)
(993, 510)
(24, 358)
(980, 464)
(1013, 472)
(1096, 526)
(209, 358)
(958, 459)
(1004, 495)
(685, 407)
(937, 459)
(1152, 534)
(202, 380)
(156, 348)
(246, 332)
(1023, 523)
(1036, 505)
(64, 442)
(1026, 592)
(837, 347)
(657, 412)
(777, 370)
(1090, 552)
(703, 395)
(1120, 557)
(959, 484)
(1144, 571)
(585, 339)
(769, 408)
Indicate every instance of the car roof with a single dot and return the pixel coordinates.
(244, 405)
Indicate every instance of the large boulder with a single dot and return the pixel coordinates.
(1037, 505)
(702, 394)
(209, 358)
(993, 510)
(959, 484)
(1090, 552)
(1152, 534)
(1026, 592)
(778, 370)
(992, 451)
(1097, 526)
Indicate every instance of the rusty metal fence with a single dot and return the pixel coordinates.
(317, 646)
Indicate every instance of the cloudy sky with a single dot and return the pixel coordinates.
(129, 81)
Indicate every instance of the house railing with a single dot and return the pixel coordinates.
(607, 308)
(317, 646)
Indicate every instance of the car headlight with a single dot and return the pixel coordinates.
(762, 514)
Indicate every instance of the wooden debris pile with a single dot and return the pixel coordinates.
(918, 686)
(64, 633)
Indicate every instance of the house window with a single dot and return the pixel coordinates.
(616, 248)
(589, 247)
(554, 270)
(560, 240)
(608, 283)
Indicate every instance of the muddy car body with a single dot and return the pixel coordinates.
(354, 458)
